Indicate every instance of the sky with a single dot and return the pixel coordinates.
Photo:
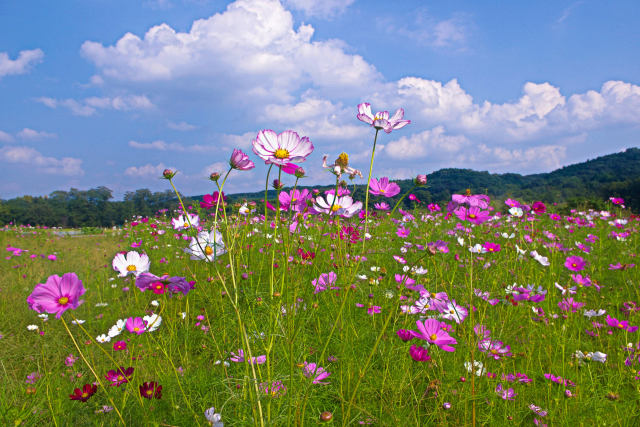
(112, 92)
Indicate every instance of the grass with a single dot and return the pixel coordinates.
(243, 301)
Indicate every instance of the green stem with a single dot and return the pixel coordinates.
(266, 191)
(401, 199)
(366, 203)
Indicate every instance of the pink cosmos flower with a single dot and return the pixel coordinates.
(240, 161)
(495, 349)
(506, 394)
(311, 370)
(419, 353)
(431, 331)
(478, 200)
(620, 324)
(382, 206)
(281, 149)
(374, 309)
(473, 214)
(211, 201)
(57, 294)
(323, 282)
(381, 119)
(239, 358)
(575, 263)
(383, 187)
(119, 377)
(70, 360)
(403, 232)
(491, 247)
(296, 200)
(136, 325)
(539, 208)
(569, 304)
(291, 168)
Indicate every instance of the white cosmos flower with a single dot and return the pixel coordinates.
(515, 211)
(343, 206)
(153, 322)
(117, 328)
(181, 222)
(477, 249)
(78, 321)
(103, 338)
(597, 356)
(32, 327)
(479, 367)
(133, 263)
(543, 260)
(593, 313)
(207, 245)
(508, 236)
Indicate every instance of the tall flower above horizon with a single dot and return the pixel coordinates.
(281, 149)
(240, 161)
(381, 119)
(183, 223)
(57, 294)
(340, 166)
(383, 187)
(132, 262)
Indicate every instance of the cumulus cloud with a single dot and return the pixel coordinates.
(422, 144)
(146, 171)
(322, 9)
(316, 118)
(22, 64)
(5, 137)
(252, 46)
(89, 106)
(28, 156)
(33, 135)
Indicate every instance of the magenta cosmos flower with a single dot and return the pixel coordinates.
(136, 325)
(240, 161)
(474, 214)
(57, 294)
(575, 263)
(383, 187)
(431, 331)
(381, 119)
(318, 373)
(281, 149)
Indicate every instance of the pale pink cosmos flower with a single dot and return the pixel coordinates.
(240, 161)
(57, 294)
(239, 358)
(343, 206)
(383, 187)
(381, 119)
(281, 149)
(324, 281)
(131, 263)
(495, 349)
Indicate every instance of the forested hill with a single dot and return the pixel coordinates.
(589, 183)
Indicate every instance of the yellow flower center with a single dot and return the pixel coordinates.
(382, 191)
(452, 311)
(85, 394)
(131, 267)
(63, 300)
(208, 250)
(343, 160)
(472, 216)
(433, 337)
(468, 192)
(494, 351)
(620, 325)
(281, 153)
(136, 329)
(120, 377)
(335, 208)
(149, 392)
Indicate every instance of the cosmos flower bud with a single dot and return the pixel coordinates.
(299, 173)
(168, 174)
(421, 180)
(277, 184)
(214, 176)
(326, 416)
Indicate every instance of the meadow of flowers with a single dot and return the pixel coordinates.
(325, 307)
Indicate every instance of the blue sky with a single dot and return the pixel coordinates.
(111, 92)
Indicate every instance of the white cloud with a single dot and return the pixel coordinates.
(322, 9)
(243, 142)
(28, 156)
(172, 146)
(316, 118)
(31, 134)
(425, 29)
(5, 137)
(21, 64)
(251, 47)
(146, 171)
(181, 126)
(549, 157)
(89, 106)
(425, 143)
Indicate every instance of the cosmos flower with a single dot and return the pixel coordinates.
(281, 149)
(311, 370)
(214, 419)
(239, 358)
(210, 201)
(294, 200)
(131, 263)
(383, 187)
(119, 377)
(181, 223)
(381, 119)
(136, 325)
(419, 353)
(431, 331)
(343, 206)
(150, 390)
(341, 166)
(504, 393)
(57, 294)
(85, 393)
(575, 263)
(158, 285)
(620, 324)
(240, 161)
(474, 214)
(323, 282)
(206, 245)
(495, 349)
